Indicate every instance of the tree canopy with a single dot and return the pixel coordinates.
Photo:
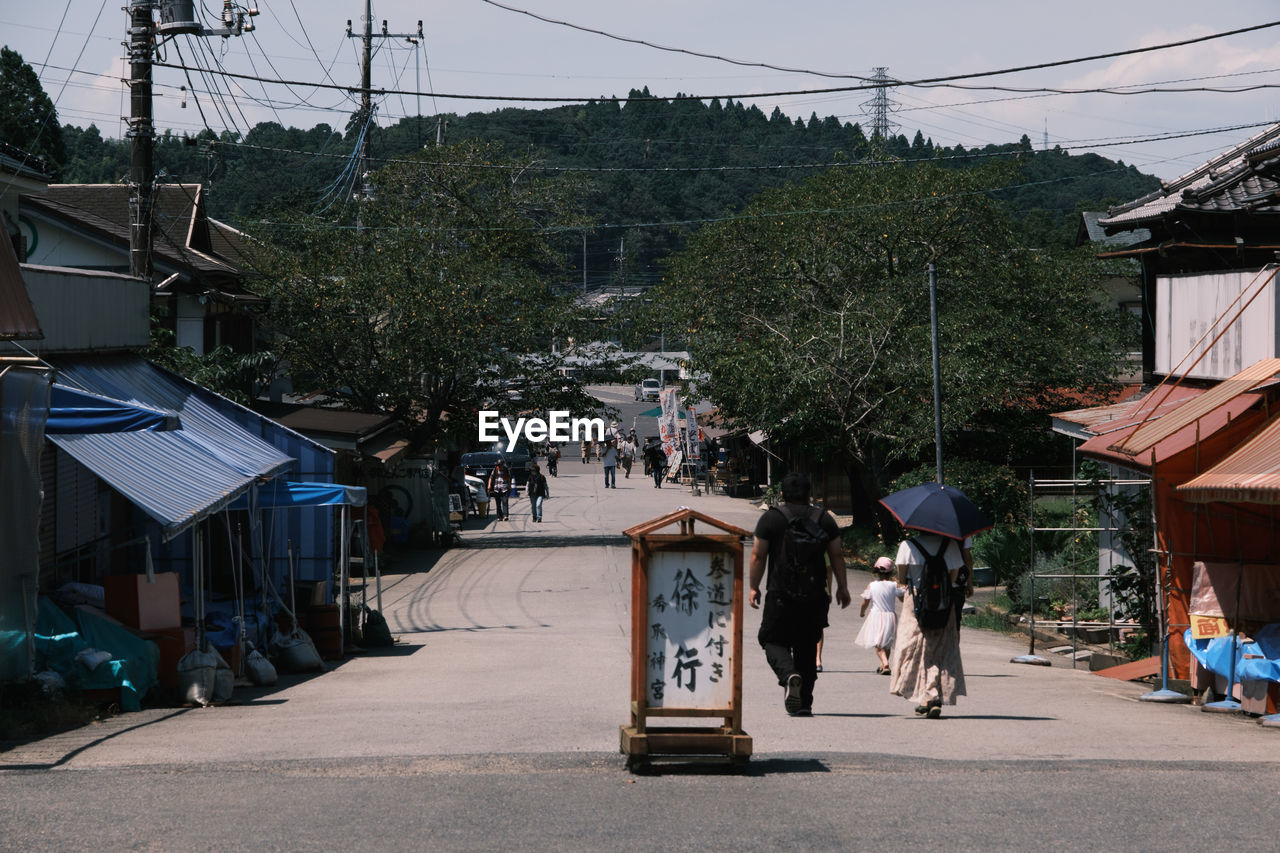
(28, 120)
(431, 302)
(809, 315)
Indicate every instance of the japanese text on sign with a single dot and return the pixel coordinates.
(690, 629)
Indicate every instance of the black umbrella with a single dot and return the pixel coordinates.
(936, 508)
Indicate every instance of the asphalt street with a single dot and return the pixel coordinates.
(493, 724)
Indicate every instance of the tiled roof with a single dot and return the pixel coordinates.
(181, 231)
(1245, 178)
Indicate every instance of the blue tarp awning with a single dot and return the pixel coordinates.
(75, 411)
(177, 477)
(281, 494)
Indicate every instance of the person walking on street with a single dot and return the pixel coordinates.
(586, 451)
(538, 492)
(881, 597)
(628, 453)
(610, 459)
(553, 460)
(657, 459)
(500, 488)
(796, 542)
(926, 665)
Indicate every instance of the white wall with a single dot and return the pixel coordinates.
(1192, 307)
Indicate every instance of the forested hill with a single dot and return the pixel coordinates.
(657, 168)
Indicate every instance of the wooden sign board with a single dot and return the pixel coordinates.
(686, 639)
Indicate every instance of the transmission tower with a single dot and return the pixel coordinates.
(880, 106)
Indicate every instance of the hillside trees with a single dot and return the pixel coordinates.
(28, 119)
(435, 302)
(810, 315)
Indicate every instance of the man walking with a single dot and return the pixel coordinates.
(797, 541)
(657, 459)
(610, 459)
(538, 492)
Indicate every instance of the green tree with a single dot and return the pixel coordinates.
(810, 316)
(28, 119)
(435, 303)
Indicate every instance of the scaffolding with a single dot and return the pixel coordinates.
(1108, 548)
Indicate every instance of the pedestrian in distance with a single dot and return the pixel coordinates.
(586, 451)
(794, 543)
(538, 492)
(499, 487)
(881, 599)
(610, 460)
(627, 450)
(657, 459)
(926, 664)
(553, 461)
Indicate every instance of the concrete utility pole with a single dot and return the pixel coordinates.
(177, 17)
(366, 86)
(141, 134)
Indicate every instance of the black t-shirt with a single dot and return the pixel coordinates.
(773, 524)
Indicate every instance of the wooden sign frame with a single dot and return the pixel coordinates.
(723, 548)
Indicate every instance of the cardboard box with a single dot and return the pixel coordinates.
(142, 605)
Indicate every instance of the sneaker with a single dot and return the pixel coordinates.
(922, 710)
(791, 701)
(803, 712)
(934, 709)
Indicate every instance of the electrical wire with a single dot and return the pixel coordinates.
(1014, 70)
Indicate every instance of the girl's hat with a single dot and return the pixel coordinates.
(884, 565)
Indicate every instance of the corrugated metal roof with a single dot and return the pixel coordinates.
(1153, 432)
(18, 321)
(1103, 446)
(1100, 420)
(176, 477)
(1251, 474)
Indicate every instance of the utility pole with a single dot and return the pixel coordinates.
(177, 17)
(141, 134)
(366, 85)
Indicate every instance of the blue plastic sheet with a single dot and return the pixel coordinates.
(79, 412)
(1215, 655)
(134, 663)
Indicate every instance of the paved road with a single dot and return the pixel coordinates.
(494, 725)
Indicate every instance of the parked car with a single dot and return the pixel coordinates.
(648, 389)
(479, 463)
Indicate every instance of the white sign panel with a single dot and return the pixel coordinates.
(690, 630)
(1193, 310)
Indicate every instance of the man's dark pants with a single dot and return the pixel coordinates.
(789, 634)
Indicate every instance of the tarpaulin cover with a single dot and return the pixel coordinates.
(1213, 590)
(280, 494)
(73, 411)
(1258, 660)
(24, 403)
(134, 661)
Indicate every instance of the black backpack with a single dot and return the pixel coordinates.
(932, 592)
(801, 573)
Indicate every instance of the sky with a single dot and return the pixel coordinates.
(490, 53)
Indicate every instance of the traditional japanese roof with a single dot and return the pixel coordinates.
(1245, 179)
(183, 235)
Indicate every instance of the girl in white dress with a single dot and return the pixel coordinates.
(879, 629)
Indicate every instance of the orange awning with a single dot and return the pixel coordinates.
(1188, 432)
(1205, 407)
(1251, 474)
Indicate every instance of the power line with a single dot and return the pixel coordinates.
(1017, 69)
